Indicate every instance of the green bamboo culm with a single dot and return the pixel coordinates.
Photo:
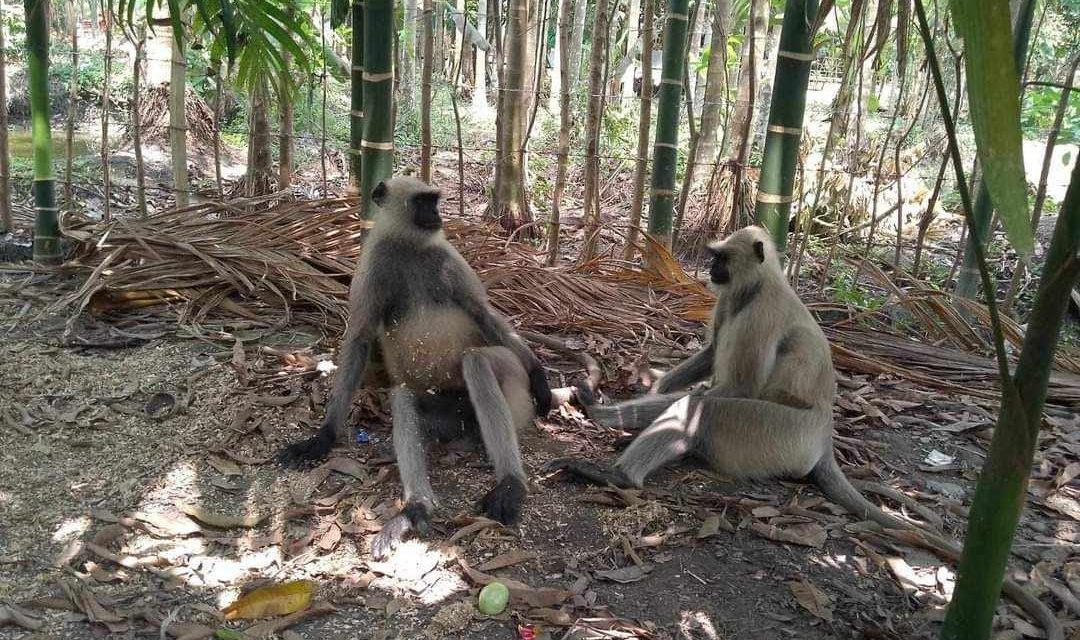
(378, 142)
(356, 98)
(46, 218)
(784, 133)
(967, 279)
(1002, 489)
(666, 142)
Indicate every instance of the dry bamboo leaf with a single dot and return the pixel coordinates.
(222, 521)
(625, 575)
(812, 599)
(809, 534)
(271, 601)
(519, 591)
(507, 559)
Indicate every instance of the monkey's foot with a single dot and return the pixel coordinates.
(504, 502)
(416, 516)
(589, 471)
(304, 454)
(541, 391)
(584, 395)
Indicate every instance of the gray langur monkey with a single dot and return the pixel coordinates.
(456, 365)
(768, 408)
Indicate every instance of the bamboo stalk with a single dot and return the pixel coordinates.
(46, 218)
(378, 143)
(356, 97)
(73, 100)
(6, 223)
(641, 167)
(106, 15)
(136, 120)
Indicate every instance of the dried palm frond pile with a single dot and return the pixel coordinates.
(293, 261)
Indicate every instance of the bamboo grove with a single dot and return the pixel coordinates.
(891, 130)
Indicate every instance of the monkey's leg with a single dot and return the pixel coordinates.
(354, 355)
(412, 467)
(632, 415)
(498, 430)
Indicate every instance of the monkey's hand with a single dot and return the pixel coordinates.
(594, 472)
(504, 502)
(541, 391)
(416, 516)
(305, 453)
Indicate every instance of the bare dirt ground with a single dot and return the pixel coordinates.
(109, 512)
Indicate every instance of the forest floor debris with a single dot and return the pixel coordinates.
(116, 517)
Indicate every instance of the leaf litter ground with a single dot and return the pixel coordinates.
(139, 497)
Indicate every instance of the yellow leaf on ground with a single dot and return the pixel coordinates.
(274, 600)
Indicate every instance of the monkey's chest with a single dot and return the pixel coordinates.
(423, 351)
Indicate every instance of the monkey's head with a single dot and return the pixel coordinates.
(406, 205)
(740, 255)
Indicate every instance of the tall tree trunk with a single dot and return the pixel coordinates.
(216, 65)
(378, 96)
(6, 223)
(593, 117)
(322, 114)
(558, 54)
(766, 71)
(459, 37)
(407, 73)
(753, 51)
(716, 81)
(178, 123)
(578, 40)
(510, 206)
(967, 281)
(356, 98)
(73, 101)
(46, 220)
(633, 37)
(425, 91)
(641, 168)
(565, 31)
(136, 121)
(286, 139)
(260, 158)
(106, 18)
(781, 154)
(479, 98)
(666, 146)
(693, 45)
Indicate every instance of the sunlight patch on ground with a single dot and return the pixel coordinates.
(696, 624)
(419, 571)
(71, 528)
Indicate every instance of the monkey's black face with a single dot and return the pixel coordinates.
(425, 211)
(719, 271)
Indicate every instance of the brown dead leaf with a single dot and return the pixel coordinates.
(712, 525)
(268, 628)
(1066, 475)
(10, 614)
(479, 525)
(347, 466)
(767, 511)
(164, 525)
(507, 559)
(329, 540)
(812, 599)
(808, 534)
(222, 521)
(554, 617)
(519, 591)
(278, 401)
(625, 575)
(224, 467)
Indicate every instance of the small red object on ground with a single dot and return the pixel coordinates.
(526, 632)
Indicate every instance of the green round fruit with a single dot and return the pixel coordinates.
(493, 598)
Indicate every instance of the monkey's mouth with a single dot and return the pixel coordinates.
(428, 221)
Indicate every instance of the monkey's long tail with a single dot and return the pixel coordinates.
(592, 368)
(828, 476)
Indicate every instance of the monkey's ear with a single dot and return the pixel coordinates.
(759, 250)
(378, 194)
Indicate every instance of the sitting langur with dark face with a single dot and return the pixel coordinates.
(768, 409)
(456, 365)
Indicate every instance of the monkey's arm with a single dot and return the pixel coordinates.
(353, 357)
(692, 370)
(497, 331)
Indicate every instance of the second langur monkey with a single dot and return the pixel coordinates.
(767, 411)
(456, 364)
